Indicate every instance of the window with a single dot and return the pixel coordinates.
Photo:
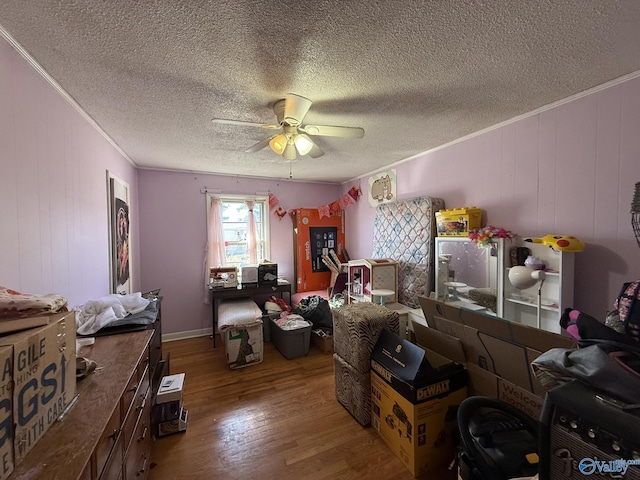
(235, 214)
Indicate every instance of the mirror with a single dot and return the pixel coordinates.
(469, 275)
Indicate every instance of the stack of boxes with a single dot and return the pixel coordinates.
(169, 414)
(356, 329)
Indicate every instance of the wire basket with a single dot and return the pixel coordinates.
(635, 213)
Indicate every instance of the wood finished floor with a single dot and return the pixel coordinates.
(276, 420)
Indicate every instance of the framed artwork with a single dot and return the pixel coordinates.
(382, 188)
(119, 235)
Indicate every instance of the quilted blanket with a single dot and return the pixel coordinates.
(405, 231)
(15, 304)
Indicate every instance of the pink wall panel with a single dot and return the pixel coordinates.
(53, 199)
(569, 169)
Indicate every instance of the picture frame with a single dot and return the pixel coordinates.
(382, 188)
(119, 234)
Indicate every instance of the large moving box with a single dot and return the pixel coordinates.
(240, 327)
(38, 383)
(415, 396)
(497, 353)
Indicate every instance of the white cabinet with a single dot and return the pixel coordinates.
(521, 305)
(468, 275)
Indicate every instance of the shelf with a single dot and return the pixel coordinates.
(548, 273)
(533, 305)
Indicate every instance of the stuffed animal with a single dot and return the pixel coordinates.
(565, 243)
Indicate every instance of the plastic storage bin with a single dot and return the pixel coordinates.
(291, 343)
(457, 222)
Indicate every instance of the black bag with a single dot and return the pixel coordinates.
(316, 310)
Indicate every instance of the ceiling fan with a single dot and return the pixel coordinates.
(293, 139)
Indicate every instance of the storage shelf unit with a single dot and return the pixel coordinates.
(557, 290)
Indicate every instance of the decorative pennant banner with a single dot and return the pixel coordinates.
(345, 200)
(273, 201)
(324, 211)
(280, 213)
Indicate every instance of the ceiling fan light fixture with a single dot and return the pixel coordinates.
(289, 152)
(303, 144)
(278, 143)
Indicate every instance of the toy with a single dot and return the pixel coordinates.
(565, 243)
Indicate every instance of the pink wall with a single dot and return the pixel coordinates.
(567, 170)
(53, 197)
(173, 235)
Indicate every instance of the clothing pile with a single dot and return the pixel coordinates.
(108, 311)
(291, 321)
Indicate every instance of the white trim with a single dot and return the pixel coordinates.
(171, 337)
(266, 217)
(532, 113)
(56, 86)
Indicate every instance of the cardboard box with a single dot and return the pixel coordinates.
(267, 273)
(497, 353)
(415, 394)
(6, 415)
(457, 222)
(38, 383)
(244, 346)
(322, 340)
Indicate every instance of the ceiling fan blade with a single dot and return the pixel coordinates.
(224, 121)
(333, 131)
(259, 146)
(295, 108)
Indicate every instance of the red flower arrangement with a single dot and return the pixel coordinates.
(482, 236)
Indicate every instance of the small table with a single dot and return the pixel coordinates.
(245, 291)
(381, 292)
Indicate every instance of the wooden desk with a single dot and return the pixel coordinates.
(218, 294)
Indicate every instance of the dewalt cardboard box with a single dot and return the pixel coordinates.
(497, 353)
(38, 382)
(415, 396)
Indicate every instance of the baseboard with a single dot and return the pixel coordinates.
(170, 337)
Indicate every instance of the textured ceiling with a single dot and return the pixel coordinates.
(414, 74)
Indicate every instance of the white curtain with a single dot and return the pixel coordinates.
(215, 253)
(252, 245)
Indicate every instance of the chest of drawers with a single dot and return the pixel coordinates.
(107, 433)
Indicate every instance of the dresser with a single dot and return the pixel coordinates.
(107, 432)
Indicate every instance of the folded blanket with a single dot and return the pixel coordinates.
(15, 304)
